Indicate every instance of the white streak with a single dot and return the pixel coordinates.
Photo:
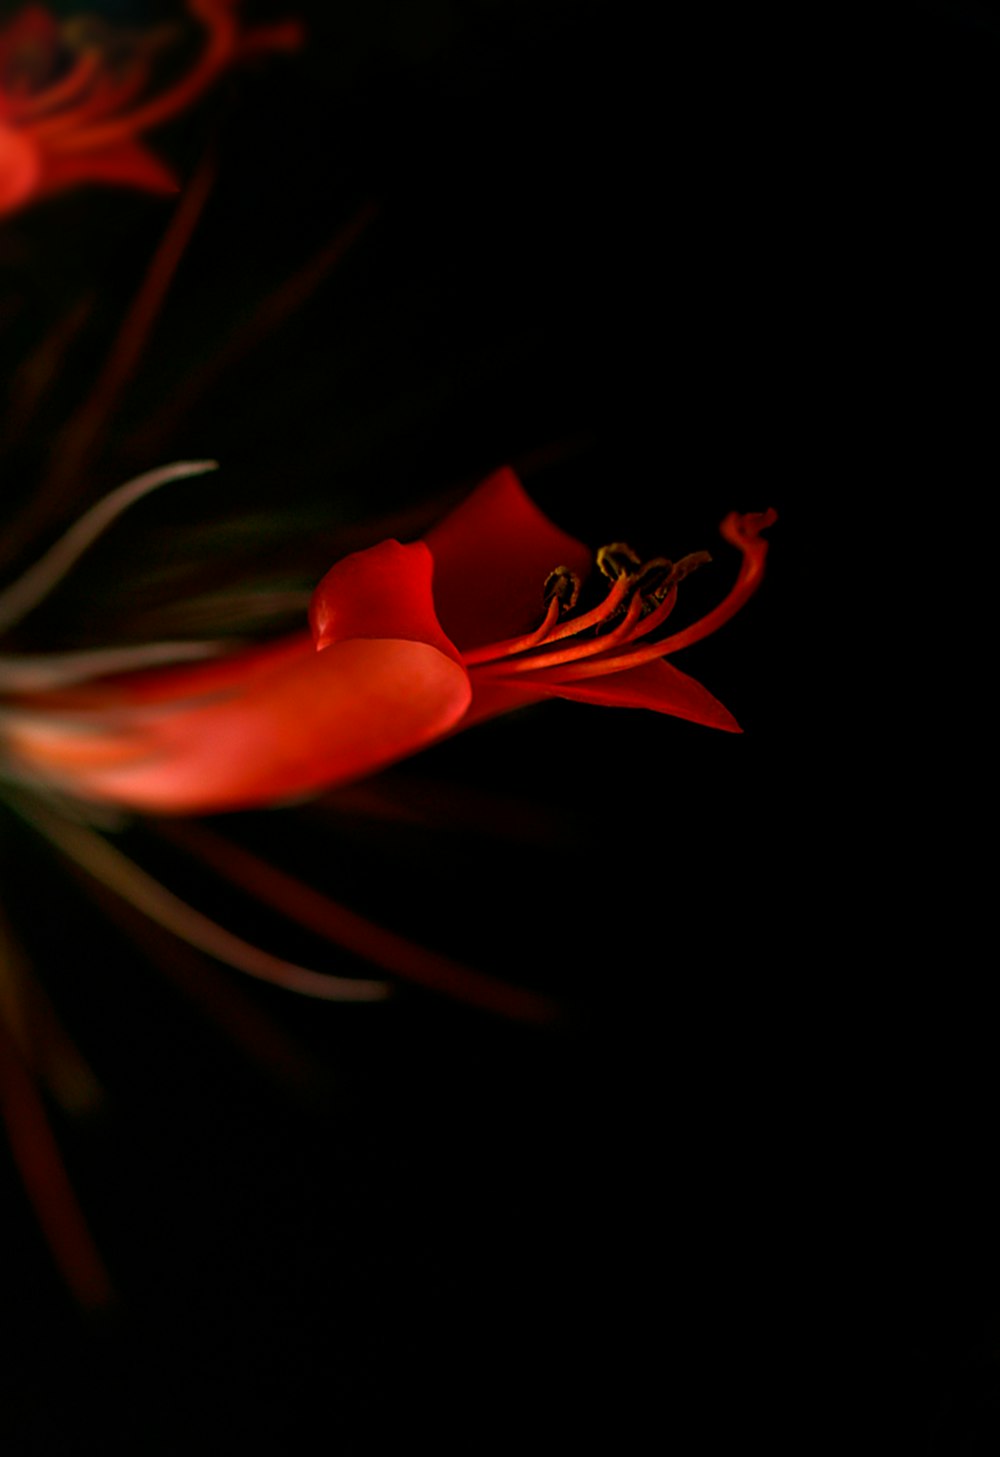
(30, 673)
(24, 595)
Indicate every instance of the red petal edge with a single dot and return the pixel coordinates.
(384, 592)
(492, 555)
(125, 164)
(658, 686)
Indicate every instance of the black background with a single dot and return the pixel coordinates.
(747, 1184)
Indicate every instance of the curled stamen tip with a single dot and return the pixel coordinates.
(562, 586)
(617, 559)
(659, 575)
(656, 576)
(689, 564)
(755, 521)
(746, 526)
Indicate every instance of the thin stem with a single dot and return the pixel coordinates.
(46, 1182)
(353, 933)
(268, 316)
(83, 432)
(120, 874)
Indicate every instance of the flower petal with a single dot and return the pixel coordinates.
(492, 555)
(71, 110)
(289, 724)
(384, 592)
(265, 724)
(125, 164)
(656, 685)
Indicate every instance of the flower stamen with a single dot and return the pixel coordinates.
(551, 630)
(742, 531)
(591, 647)
(653, 589)
(562, 587)
(617, 559)
(76, 80)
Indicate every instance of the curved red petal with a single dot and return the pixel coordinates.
(492, 555)
(656, 685)
(293, 724)
(126, 164)
(384, 592)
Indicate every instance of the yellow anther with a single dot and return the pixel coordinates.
(617, 559)
(562, 586)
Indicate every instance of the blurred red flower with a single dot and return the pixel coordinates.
(76, 97)
(409, 643)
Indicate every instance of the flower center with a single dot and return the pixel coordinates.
(639, 599)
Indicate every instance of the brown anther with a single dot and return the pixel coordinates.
(656, 578)
(617, 559)
(688, 564)
(563, 586)
(659, 575)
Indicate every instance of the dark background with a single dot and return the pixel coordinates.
(747, 1183)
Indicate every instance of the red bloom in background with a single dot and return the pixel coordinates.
(409, 644)
(74, 99)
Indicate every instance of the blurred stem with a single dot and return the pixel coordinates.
(80, 439)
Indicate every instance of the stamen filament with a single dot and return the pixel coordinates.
(614, 663)
(221, 42)
(743, 532)
(76, 79)
(740, 531)
(501, 651)
(658, 616)
(589, 649)
(596, 615)
(603, 655)
(514, 644)
(104, 100)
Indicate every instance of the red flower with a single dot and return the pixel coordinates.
(74, 100)
(409, 644)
